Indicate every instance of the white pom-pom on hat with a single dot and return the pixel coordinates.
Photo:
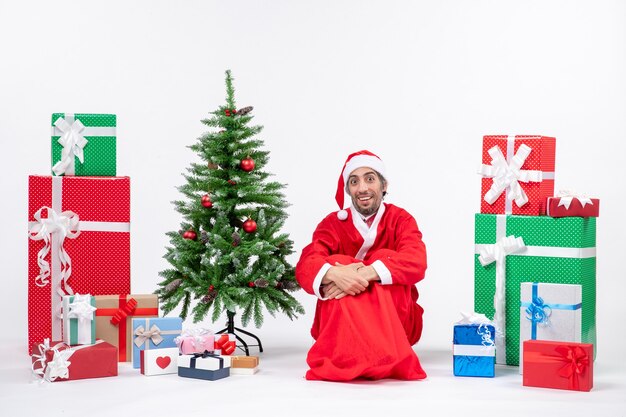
(342, 215)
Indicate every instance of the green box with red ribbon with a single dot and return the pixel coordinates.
(513, 249)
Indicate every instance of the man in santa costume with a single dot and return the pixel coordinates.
(362, 265)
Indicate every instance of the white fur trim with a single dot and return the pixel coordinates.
(368, 233)
(317, 282)
(361, 161)
(383, 272)
(342, 215)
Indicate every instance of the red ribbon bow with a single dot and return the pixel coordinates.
(576, 361)
(122, 313)
(225, 344)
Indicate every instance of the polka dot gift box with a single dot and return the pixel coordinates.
(518, 174)
(84, 144)
(79, 230)
(510, 250)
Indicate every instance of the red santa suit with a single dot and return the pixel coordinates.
(369, 335)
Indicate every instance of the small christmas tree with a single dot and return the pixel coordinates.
(230, 254)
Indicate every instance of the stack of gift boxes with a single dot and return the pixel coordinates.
(82, 317)
(535, 265)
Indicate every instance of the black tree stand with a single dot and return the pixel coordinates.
(230, 328)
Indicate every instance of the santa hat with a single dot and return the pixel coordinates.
(355, 160)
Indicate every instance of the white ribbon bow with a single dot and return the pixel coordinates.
(473, 318)
(568, 195)
(497, 253)
(64, 225)
(154, 334)
(73, 143)
(81, 308)
(58, 367)
(507, 175)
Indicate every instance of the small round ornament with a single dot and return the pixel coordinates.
(190, 234)
(251, 284)
(247, 164)
(249, 226)
(206, 201)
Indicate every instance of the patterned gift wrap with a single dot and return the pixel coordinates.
(114, 319)
(516, 249)
(56, 361)
(518, 174)
(195, 341)
(159, 361)
(83, 144)
(79, 230)
(560, 365)
(473, 350)
(154, 333)
(208, 366)
(550, 312)
(79, 319)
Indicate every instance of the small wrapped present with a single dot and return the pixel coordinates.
(195, 341)
(244, 365)
(550, 312)
(518, 174)
(209, 366)
(159, 361)
(114, 318)
(83, 144)
(79, 229)
(79, 319)
(225, 344)
(56, 361)
(154, 333)
(560, 365)
(474, 347)
(571, 204)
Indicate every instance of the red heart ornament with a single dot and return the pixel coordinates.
(163, 361)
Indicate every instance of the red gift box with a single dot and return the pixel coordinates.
(573, 206)
(225, 343)
(518, 174)
(561, 365)
(57, 361)
(79, 242)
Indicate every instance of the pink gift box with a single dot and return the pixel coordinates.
(195, 341)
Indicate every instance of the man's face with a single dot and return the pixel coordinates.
(366, 190)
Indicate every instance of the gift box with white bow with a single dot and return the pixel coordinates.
(154, 333)
(208, 366)
(518, 174)
(195, 341)
(159, 361)
(114, 319)
(79, 229)
(569, 204)
(510, 250)
(473, 346)
(550, 312)
(84, 144)
(56, 361)
(79, 319)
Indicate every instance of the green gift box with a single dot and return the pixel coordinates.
(83, 144)
(510, 250)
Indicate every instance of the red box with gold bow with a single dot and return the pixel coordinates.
(79, 229)
(518, 174)
(560, 365)
(113, 318)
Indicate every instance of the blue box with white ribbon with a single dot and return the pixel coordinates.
(550, 311)
(474, 351)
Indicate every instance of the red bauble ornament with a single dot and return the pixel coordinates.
(249, 226)
(211, 287)
(234, 111)
(206, 201)
(251, 284)
(190, 234)
(231, 182)
(247, 164)
(227, 112)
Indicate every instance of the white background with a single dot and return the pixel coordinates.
(418, 83)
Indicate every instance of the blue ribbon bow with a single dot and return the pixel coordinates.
(538, 312)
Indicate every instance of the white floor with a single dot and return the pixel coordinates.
(280, 389)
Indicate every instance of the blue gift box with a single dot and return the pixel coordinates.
(474, 350)
(208, 366)
(154, 333)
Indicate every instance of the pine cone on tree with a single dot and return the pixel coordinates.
(290, 285)
(261, 283)
(172, 286)
(210, 296)
(236, 239)
(245, 110)
(204, 238)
